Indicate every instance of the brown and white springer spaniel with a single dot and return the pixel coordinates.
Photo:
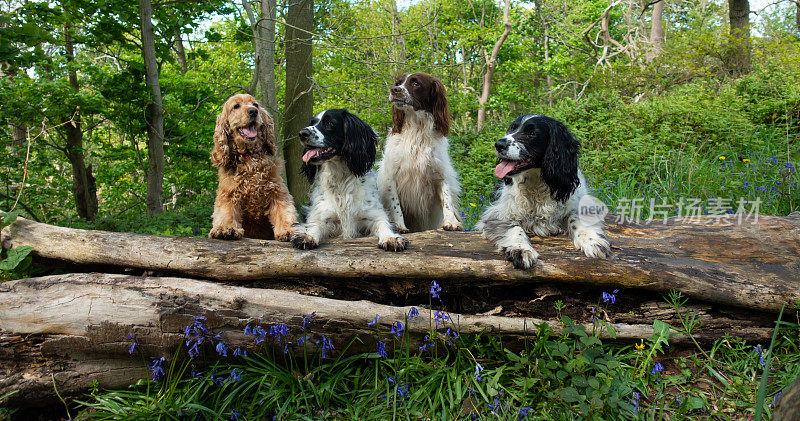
(418, 185)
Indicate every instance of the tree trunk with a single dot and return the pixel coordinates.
(299, 96)
(739, 62)
(751, 266)
(82, 179)
(155, 113)
(787, 407)
(657, 31)
(797, 15)
(75, 327)
(398, 41)
(491, 63)
(180, 52)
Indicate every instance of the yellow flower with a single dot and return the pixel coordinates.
(472, 204)
(746, 160)
(640, 346)
(722, 158)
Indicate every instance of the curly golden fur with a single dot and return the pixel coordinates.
(252, 200)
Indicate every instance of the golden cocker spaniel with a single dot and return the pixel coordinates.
(252, 200)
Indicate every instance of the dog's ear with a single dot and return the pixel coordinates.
(440, 110)
(267, 132)
(398, 118)
(359, 146)
(560, 162)
(221, 154)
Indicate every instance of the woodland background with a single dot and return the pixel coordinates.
(107, 107)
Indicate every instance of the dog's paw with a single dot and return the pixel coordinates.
(592, 244)
(452, 226)
(401, 230)
(522, 258)
(285, 235)
(394, 244)
(303, 241)
(226, 233)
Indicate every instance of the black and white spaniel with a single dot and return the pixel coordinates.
(542, 187)
(418, 184)
(338, 158)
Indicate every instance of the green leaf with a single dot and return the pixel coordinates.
(10, 218)
(570, 394)
(14, 257)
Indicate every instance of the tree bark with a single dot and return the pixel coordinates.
(180, 52)
(398, 41)
(19, 134)
(657, 30)
(82, 179)
(299, 96)
(751, 266)
(739, 61)
(491, 63)
(75, 327)
(155, 113)
(787, 407)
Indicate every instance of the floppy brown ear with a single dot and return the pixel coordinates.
(267, 132)
(398, 118)
(441, 112)
(221, 154)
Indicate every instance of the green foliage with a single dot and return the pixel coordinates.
(15, 262)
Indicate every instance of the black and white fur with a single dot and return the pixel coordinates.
(542, 186)
(338, 158)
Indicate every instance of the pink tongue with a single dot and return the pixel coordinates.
(249, 131)
(503, 168)
(312, 153)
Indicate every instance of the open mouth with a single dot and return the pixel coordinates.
(314, 155)
(248, 132)
(508, 167)
(397, 100)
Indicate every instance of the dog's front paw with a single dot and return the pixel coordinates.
(394, 244)
(593, 244)
(226, 233)
(303, 241)
(522, 258)
(284, 235)
(452, 226)
(401, 230)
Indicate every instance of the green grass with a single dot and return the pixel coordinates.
(558, 376)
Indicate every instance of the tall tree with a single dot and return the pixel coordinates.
(491, 63)
(263, 28)
(738, 55)
(657, 30)
(299, 96)
(155, 111)
(180, 51)
(83, 184)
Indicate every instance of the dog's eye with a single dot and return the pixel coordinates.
(255, 105)
(415, 83)
(236, 106)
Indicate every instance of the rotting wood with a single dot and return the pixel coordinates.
(754, 266)
(76, 326)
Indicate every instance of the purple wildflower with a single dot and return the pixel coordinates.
(222, 349)
(236, 375)
(413, 313)
(478, 371)
(133, 344)
(327, 345)
(610, 296)
(156, 370)
(427, 344)
(302, 339)
(397, 329)
(760, 352)
(435, 289)
(381, 349)
(523, 413)
(279, 331)
(657, 368)
(440, 317)
(635, 401)
(307, 319)
(239, 352)
(374, 321)
(235, 415)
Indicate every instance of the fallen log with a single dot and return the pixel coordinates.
(76, 327)
(754, 265)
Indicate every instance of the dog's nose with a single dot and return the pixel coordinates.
(305, 133)
(252, 112)
(501, 144)
(396, 90)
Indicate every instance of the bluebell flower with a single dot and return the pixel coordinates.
(760, 353)
(302, 339)
(196, 373)
(523, 413)
(440, 317)
(397, 329)
(635, 401)
(478, 371)
(435, 289)
(678, 400)
(497, 403)
(327, 345)
(222, 349)
(235, 415)
(279, 331)
(307, 319)
(156, 371)
(236, 375)
(214, 379)
(427, 344)
(610, 296)
(451, 336)
(133, 344)
(239, 352)
(657, 368)
(413, 313)
(374, 321)
(381, 349)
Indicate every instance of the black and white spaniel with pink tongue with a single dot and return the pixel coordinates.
(417, 182)
(540, 193)
(344, 201)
